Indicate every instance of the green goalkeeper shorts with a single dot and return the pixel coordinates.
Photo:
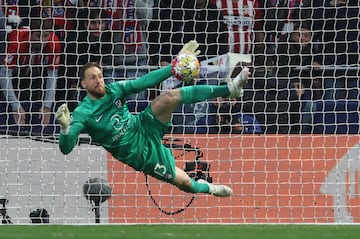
(160, 162)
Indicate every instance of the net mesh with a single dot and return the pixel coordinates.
(289, 148)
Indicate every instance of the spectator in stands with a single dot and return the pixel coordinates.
(274, 107)
(130, 51)
(19, 12)
(32, 56)
(224, 116)
(303, 66)
(295, 51)
(336, 24)
(245, 27)
(280, 108)
(189, 19)
(61, 11)
(244, 22)
(127, 21)
(90, 43)
(281, 17)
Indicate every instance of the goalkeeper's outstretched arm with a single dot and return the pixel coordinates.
(149, 80)
(155, 77)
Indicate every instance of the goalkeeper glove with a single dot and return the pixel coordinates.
(190, 48)
(63, 116)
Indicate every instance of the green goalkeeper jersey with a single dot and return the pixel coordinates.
(129, 138)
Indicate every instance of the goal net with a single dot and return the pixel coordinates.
(289, 147)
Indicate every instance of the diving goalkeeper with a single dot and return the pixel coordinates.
(136, 140)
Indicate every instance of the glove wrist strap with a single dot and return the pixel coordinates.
(64, 131)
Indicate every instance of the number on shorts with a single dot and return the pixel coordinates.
(160, 169)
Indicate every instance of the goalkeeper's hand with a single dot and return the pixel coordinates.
(63, 116)
(190, 48)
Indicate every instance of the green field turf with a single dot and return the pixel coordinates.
(180, 231)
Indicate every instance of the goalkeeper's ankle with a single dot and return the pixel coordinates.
(236, 85)
(217, 189)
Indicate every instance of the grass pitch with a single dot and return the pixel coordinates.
(180, 231)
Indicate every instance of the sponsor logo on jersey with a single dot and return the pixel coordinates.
(98, 118)
(238, 20)
(116, 121)
(118, 103)
(122, 127)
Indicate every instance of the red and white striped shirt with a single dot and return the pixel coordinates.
(241, 17)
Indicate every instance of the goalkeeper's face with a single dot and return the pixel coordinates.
(93, 82)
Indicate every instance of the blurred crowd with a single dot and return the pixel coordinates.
(304, 54)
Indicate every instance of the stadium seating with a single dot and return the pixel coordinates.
(331, 117)
(338, 117)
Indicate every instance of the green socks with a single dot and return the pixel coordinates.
(198, 93)
(197, 187)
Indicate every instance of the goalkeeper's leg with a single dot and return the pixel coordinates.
(164, 105)
(187, 184)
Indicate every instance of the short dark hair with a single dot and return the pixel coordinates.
(87, 66)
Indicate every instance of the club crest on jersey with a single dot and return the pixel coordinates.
(118, 103)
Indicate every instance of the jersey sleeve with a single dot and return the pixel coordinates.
(149, 80)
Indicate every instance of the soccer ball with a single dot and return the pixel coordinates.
(185, 67)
